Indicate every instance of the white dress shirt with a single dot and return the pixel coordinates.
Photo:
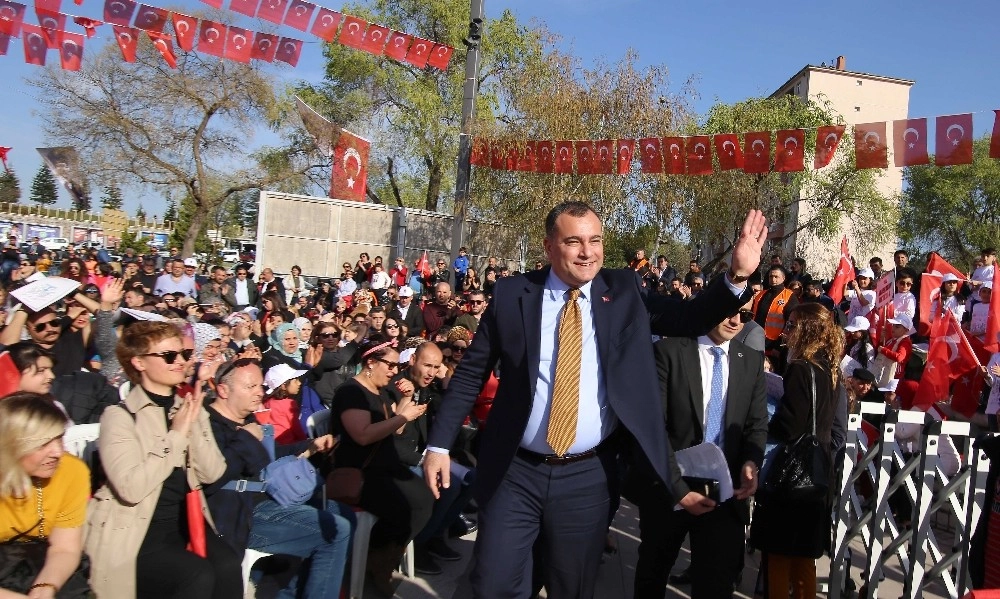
(242, 292)
(707, 360)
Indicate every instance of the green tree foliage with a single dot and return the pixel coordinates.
(130, 239)
(140, 213)
(953, 210)
(10, 187)
(112, 199)
(170, 214)
(43, 187)
(83, 203)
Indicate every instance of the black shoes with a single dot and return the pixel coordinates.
(683, 578)
(438, 549)
(463, 526)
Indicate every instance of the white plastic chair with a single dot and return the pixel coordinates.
(318, 424)
(250, 557)
(359, 556)
(80, 440)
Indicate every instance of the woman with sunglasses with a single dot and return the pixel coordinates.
(365, 418)
(455, 346)
(155, 448)
(393, 329)
(74, 268)
(335, 351)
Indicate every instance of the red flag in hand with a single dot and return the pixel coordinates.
(265, 45)
(128, 39)
(992, 338)
(238, 44)
(790, 155)
(212, 38)
(937, 265)
(966, 391)
(299, 14)
(727, 149)
(424, 266)
(870, 149)
(948, 357)
(650, 155)
(11, 17)
(954, 140)
(119, 12)
(71, 51)
(545, 157)
(35, 47)
(930, 290)
(845, 272)
(151, 18)
(757, 152)
(827, 140)
(909, 142)
(350, 167)
(289, 50)
(699, 158)
(326, 23)
(673, 155)
(184, 28)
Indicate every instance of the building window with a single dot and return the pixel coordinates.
(859, 82)
(857, 109)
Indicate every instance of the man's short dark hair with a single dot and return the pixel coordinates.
(661, 257)
(217, 269)
(800, 261)
(477, 292)
(779, 268)
(376, 310)
(875, 260)
(573, 208)
(900, 253)
(989, 252)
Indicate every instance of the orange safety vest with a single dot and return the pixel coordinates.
(775, 321)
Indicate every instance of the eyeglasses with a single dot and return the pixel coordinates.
(54, 323)
(392, 326)
(477, 302)
(171, 356)
(170, 299)
(327, 335)
(745, 316)
(904, 284)
(230, 366)
(458, 348)
(389, 363)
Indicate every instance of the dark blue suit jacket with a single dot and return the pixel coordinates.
(624, 316)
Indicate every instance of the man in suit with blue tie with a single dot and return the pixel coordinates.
(712, 388)
(577, 389)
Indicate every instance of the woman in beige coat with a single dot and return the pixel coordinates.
(155, 447)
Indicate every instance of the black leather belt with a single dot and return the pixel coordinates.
(552, 459)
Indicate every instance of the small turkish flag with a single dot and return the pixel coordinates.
(585, 159)
(48, 5)
(184, 28)
(299, 13)
(440, 56)
(119, 12)
(827, 140)
(244, 7)
(953, 140)
(398, 46)
(89, 25)
(352, 34)
(71, 51)
(424, 265)
(605, 154)
(350, 167)
(909, 142)
(790, 155)
(128, 39)
(513, 156)
(213, 3)
(212, 38)
(930, 290)
(727, 149)
(992, 337)
(673, 155)
(264, 46)
(995, 138)
(479, 152)
(650, 155)
(845, 272)
(273, 11)
(4, 43)
(757, 152)
(545, 157)
(34, 44)
(375, 39)
(526, 160)
(151, 18)
(289, 50)
(326, 23)
(699, 157)
(870, 149)
(626, 149)
(161, 42)
(419, 52)
(564, 157)
(4, 149)
(11, 17)
(966, 391)
(238, 44)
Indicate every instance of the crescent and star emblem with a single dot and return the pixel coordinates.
(326, 20)
(125, 37)
(182, 27)
(624, 153)
(961, 133)
(208, 35)
(34, 37)
(300, 10)
(916, 137)
(376, 35)
(603, 153)
(264, 44)
(352, 153)
(753, 146)
(274, 4)
(650, 150)
(242, 41)
(289, 48)
(672, 152)
(117, 11)
(878, 139)
(49, 23)
(398, 41)
(442, 51)
(353, 29)
(7, 13)
(730, 144)
(149, 17)
(420, 48)
(563, 153)
(795, 144)
(70, 47)
(827, 140)
(700, 155)
(161, 44)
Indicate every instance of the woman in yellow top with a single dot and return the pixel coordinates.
(43, 497)
(44, 262)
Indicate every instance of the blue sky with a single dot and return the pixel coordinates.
(735, 49)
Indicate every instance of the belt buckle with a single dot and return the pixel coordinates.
(241, 485)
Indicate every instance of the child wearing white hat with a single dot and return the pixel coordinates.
(281, 404)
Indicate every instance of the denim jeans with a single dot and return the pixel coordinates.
(448, 508)
(321, 538)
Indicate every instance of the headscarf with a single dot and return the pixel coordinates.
(278, 334)
(203, 334)
(298, 322)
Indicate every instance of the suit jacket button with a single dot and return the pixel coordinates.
(166, 450)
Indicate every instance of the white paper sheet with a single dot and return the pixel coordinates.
(706, 461)
(42, 294)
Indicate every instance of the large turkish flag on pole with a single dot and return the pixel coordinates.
(350, 167)
(949, 357)
(845, 272)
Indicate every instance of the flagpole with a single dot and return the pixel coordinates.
(463, 178)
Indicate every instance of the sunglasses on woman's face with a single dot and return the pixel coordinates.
(391, 326)
(171, 356)
(458, 348)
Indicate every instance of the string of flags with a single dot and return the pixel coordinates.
(692, 155)
(130, 19)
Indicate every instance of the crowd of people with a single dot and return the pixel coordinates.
(444, 390)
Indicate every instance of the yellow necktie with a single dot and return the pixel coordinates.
(566, 388)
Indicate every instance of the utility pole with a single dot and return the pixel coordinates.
(469, 90)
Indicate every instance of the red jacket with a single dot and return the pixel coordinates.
(898, 353)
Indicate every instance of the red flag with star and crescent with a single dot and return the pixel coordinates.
(71, 51)
(212, 38)
(289, 50)
(119, 12)
(352, 34)
(244, 7)
(3, 156)
(827, 140)
(789, 157)
(185, 30)
(545, 156)
(526, 157)
(870, 146)
(584, 157)
(757, 152)
(89, 25)
(939, 266)
(909, 142)
(265, 45)
(440, 56)
(650, 155)
(699, 157)
(52, 24)
(953, 140)
(299, 13)
(239, 45)
(151, 18)
(604, 153)
(375, 39)
(11, 17)
(326, 23)
(727, 149)
(626, 149)
(949, 357)
(398, 46)
(424, 266)
(128, 40)
(564, 157)
(162, 43)
(673, 155)
(845, 272)
(35, 47)
(419, 52)
(350, 167)
(273, 10)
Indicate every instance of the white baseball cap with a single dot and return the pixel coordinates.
(406, 291)
(279, 375)
(858, 323)
(949, 277)
(867, 273)
(191, 262)
(903, 320)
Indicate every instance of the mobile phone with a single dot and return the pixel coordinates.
(709, 487)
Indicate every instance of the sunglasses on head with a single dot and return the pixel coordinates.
(54, 323)
(171, 356)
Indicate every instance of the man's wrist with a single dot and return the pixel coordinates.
(437, 450)
(736, 278)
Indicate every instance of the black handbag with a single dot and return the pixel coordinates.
(801, 469)
(21, 561)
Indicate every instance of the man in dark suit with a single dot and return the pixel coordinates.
(408, 312)
(242, 291)
(528, 490)
(712, 389)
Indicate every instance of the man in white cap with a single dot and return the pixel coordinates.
(176, 281)
(408, 313)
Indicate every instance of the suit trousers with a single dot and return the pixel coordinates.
(717, 540)
(567, 505)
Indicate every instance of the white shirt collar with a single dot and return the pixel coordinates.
(704, 343)
(557, 289)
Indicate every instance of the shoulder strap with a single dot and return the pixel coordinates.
(268, 440)
(812, 381)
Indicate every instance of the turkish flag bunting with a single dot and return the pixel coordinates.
(727, 149)
(995, 137)
(213, 3)
(650, 155)
(419, 52)
(89, 25)
(498, 155)
(119, 12)
(212, 38)
(11, 17)
(424, 265)
(845, 272)
(626, 149)
(398, 46)
(827, 140)
(4, 44)
(151, 18)
(375, 39)
(605, 153)
(564, 157)
(71, 51)
(526, 161)
(545, 157)
(264, 46)
(352, 34)
(673, 155)
(953, 140)
(299, 13)
(992, 336)
(948, 357)
(585, 159)
(790, 154)
(289, 50)
(238, 44)
(479, 152)
(350, 167)
(48, 5)
(52, 24)
(513, 156)
(966, 390)
(244, 7)
(699, 157)
(34, 44)
(757, 152)
(909, 142)
(440, 56)
(161, 42)
(937, 265)
(326, 23)
(128, 39)
(273, 11)
(870, 149)
(184, 28)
